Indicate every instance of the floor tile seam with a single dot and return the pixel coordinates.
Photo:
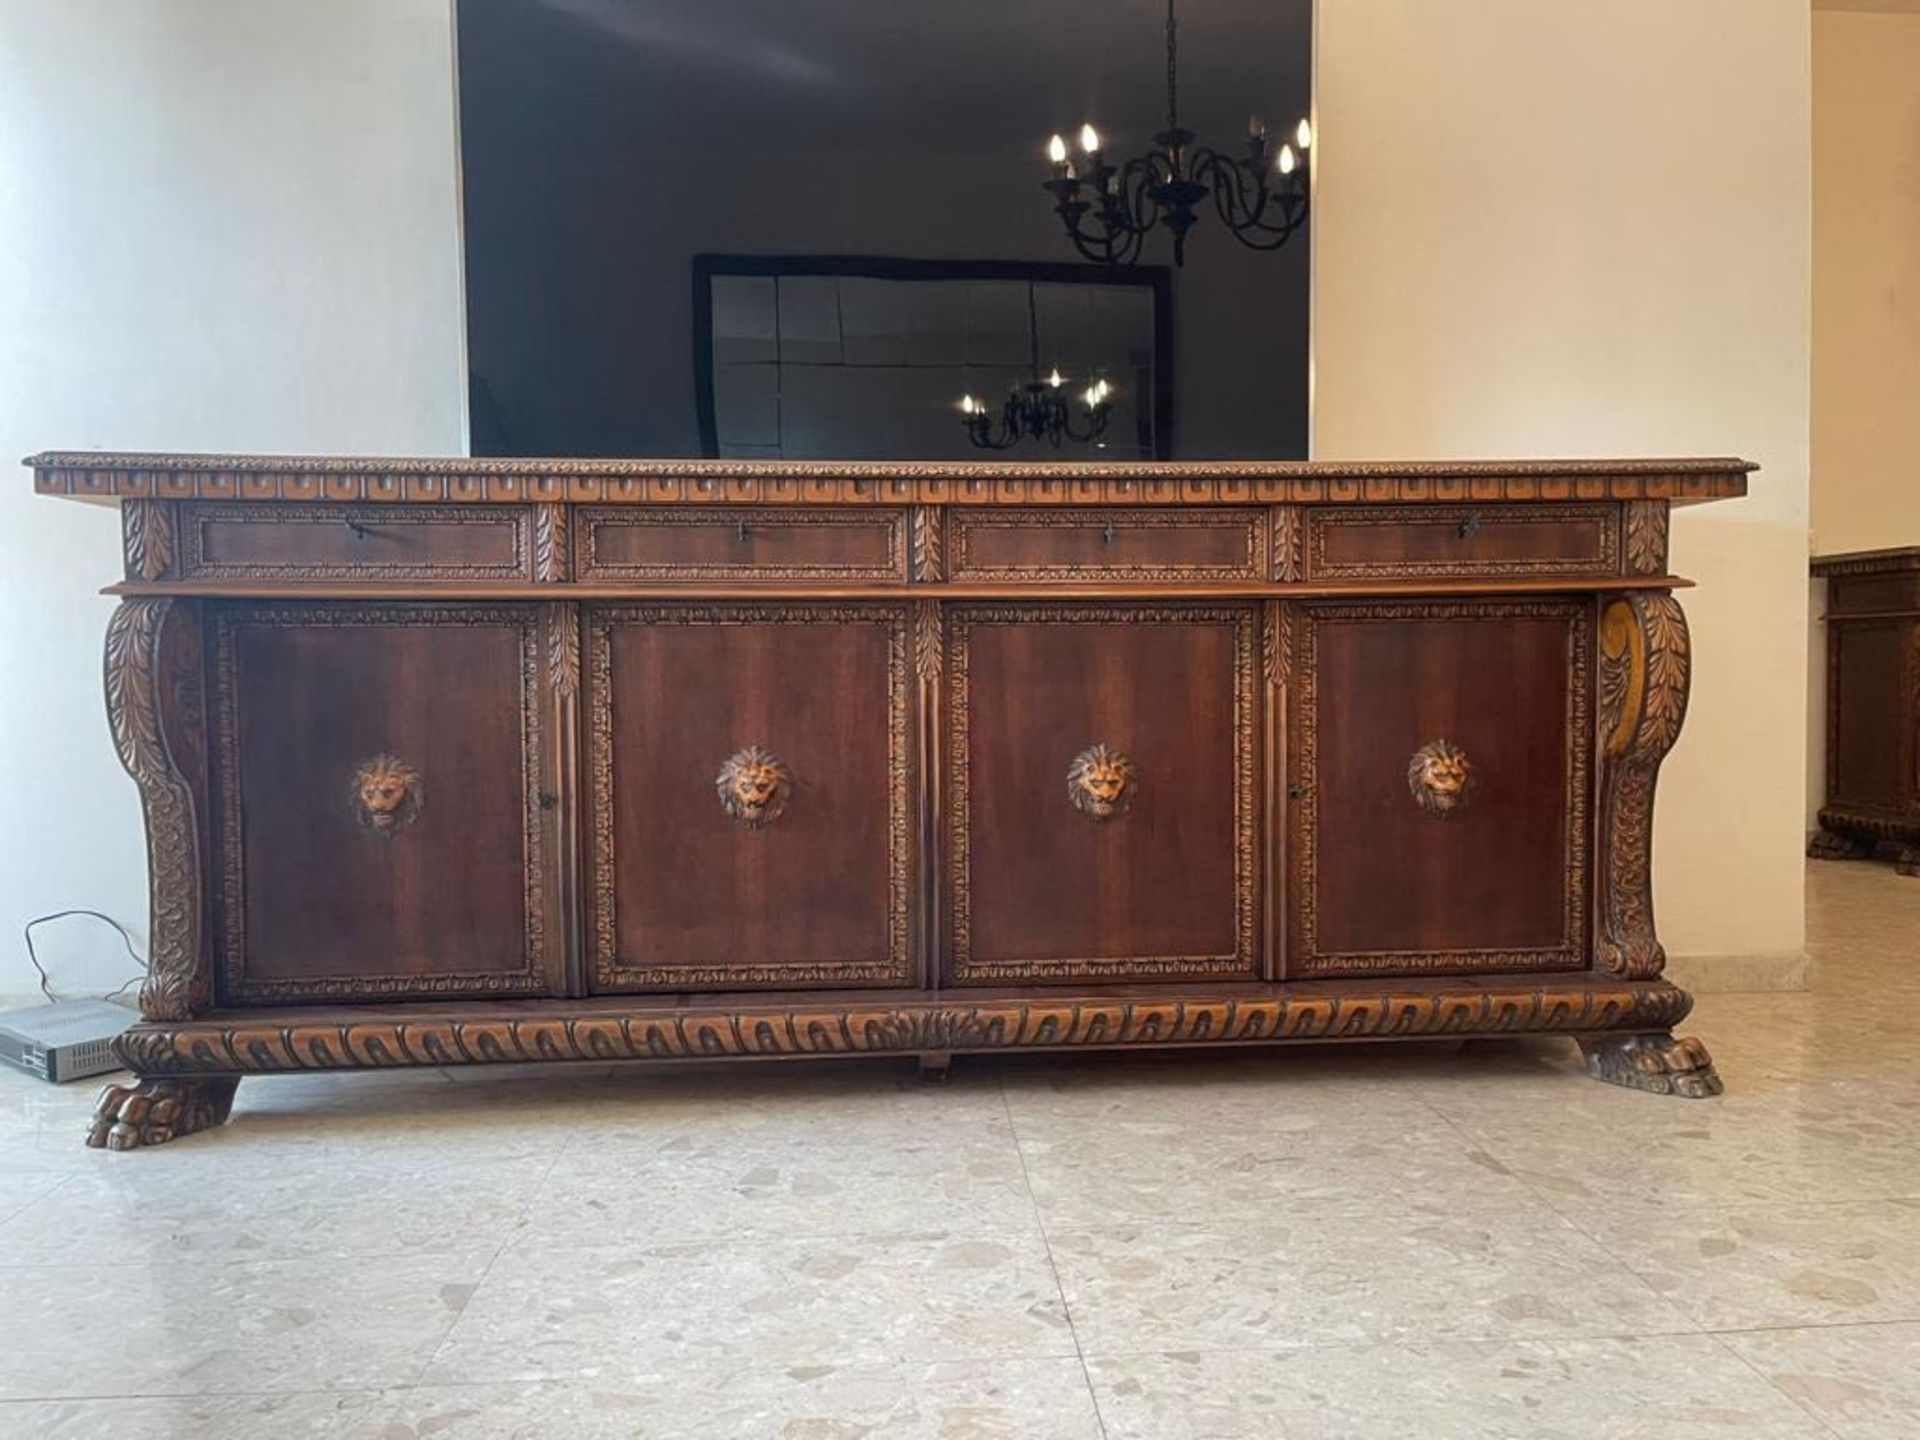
(1053, 1267)
(218, 1263)
(701, 1370)
(733, 1240)
(454, 1319)
(8, 1217)
(1547, 1200)
(1768, 1381)
(1098, 1356)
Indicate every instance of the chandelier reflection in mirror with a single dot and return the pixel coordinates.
(1039, 409)
(1109, 210)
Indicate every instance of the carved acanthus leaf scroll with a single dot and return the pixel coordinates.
(153, 664)
(1644, 677)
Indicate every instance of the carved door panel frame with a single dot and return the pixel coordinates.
(1249, 700)
(1297, 642)
(606, 972)
(546, 903)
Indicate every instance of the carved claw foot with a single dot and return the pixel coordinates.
(152, 1112)
(1907, 862)
(1658, 1063)
(1838, 845)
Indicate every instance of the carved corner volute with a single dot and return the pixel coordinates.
(1645, 673)
(156, 707)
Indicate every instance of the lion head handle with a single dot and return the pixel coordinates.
(754, 786)
(1440, 777)
(1102, 782)
(386, 794)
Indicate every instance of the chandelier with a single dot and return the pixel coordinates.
(1109, 210)
(1039, 409)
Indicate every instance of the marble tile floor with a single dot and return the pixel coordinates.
(1422, 1241)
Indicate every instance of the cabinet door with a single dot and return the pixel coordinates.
(1100, 786)
(1440, 756)
(383, 782)
(750, 796)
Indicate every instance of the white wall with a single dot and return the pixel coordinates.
(1582, 229)
(229, 224)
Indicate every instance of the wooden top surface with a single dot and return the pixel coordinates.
(108, 476)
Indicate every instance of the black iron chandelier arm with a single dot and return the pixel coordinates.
(1244, 197)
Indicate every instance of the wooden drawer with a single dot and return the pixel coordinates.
(740, 543)
(1075, 545)
(1369, 542)
(344, 542)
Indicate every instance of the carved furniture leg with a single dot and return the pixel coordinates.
(1908, 860)
(1658, 1063)
(935, 1065)
(152, 1112)
(1838, 845)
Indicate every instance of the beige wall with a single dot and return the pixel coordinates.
(1866, 301)
(1866, 280)
(1581, 229)
(228, 226)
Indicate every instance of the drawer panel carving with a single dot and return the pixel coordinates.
(1376, 542)
(1117, 544)
(741, 543)
(344, 542)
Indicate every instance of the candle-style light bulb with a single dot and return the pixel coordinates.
(966, 404)
(1303, 136)
(1057, 150)
(1089, 139)
(1286, 162)
(1054, 379)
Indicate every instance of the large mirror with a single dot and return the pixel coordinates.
(833, 229)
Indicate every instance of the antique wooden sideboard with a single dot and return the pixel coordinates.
(463, 761)
(1873, 706)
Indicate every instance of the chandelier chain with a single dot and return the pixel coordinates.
(1173, 69)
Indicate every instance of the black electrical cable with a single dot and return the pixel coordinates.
(46, 986)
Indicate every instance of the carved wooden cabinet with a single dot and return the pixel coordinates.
(464, 761)
(1873, 706)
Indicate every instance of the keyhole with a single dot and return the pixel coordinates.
(1469, 527)
(1106, 533)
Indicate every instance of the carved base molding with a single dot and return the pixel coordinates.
(1839, 845)
(912, 1023)
(154, 1111)
(1657, 1063)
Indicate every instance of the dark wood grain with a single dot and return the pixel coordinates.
(1873, 706)
(1038, 888)
(1385, 884)
(684, 894)
(316, 900)
(454, 762)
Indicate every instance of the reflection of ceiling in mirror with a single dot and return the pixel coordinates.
(976, 75)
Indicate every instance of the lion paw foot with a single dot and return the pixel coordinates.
(152, 1112)
(1659, 1064)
